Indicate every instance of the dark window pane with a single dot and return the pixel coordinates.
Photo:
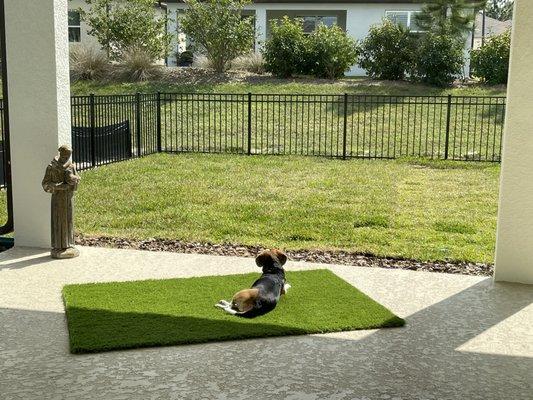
(74, 18)
(329, 21)
(74, 34)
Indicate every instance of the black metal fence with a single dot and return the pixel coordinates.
(113, 128)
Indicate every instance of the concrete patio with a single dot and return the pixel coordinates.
(466, 338)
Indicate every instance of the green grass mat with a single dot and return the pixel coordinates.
(121, 315)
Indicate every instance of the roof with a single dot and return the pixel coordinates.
(493, 27)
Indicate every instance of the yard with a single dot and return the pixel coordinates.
(419, 210)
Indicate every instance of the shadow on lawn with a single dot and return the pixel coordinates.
(94, 330)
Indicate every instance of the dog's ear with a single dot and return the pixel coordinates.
(264, 259)
(282, 258)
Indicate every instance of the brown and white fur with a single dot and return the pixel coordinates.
(266, 291)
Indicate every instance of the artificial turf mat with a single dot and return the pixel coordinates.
(121, 315)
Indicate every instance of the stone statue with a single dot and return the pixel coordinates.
(61, 180)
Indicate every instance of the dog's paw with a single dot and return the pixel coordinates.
(286, 287)
(223, 304)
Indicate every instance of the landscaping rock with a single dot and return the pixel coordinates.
(317, 256)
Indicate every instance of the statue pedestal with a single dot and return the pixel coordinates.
(62, 254)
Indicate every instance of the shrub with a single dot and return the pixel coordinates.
(219, 31)
(284, 51)
(331, 52)
(491, 62)
(387, 51)
(185, 58)
(87, 63)
(251, 62)
(439, 59)
(137, 64)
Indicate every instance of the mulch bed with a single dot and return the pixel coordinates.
(317, 256)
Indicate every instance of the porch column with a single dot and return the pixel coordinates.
(514, 243)
(39, 103)
(260, 27)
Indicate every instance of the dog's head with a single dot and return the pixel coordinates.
(271, 260)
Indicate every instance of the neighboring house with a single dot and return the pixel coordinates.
(493, 27)
(354, 16)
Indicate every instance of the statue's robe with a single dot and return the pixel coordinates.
(60, 175)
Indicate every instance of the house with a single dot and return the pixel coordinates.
(354, 16)
(491, 27)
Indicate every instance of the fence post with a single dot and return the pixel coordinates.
(159, 149)
(344, 127)
(93, 129)
(138, 122)
(448, 120)
(249, 123)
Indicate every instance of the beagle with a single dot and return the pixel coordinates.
(265, 292)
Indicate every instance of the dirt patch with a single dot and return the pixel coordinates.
(318, 256)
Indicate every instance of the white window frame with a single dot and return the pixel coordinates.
(410, 16)
(74, 26)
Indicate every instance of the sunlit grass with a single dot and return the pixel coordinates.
(416, 209)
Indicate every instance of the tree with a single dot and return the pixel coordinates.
(502, 10)
(219, 30)
(119, 25)
(448, 16)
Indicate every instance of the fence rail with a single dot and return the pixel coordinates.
(113, 128)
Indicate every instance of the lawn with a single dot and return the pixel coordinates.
(107, 316)
(413, 209)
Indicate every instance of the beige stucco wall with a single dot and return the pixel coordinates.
(514, 245)
(39, 107)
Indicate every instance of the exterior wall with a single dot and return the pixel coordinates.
(359, 18)
(514, 249)
(86, 39)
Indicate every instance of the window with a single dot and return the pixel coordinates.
(74, 26)
(310, 23)
(404, 18)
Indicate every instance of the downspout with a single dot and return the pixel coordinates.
(8, 227)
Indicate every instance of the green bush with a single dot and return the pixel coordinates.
(185, 58)
(285, 51)
(330, 52)
(490, 63)
(439, 59)
(387, 51)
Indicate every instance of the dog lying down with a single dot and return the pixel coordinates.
(265, 292)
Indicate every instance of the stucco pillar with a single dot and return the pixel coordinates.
(260, 27)
(39, 100)
(172, 27)
(514, 243)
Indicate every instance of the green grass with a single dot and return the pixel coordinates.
(380, 127)
(415, 209)
(108, 316)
